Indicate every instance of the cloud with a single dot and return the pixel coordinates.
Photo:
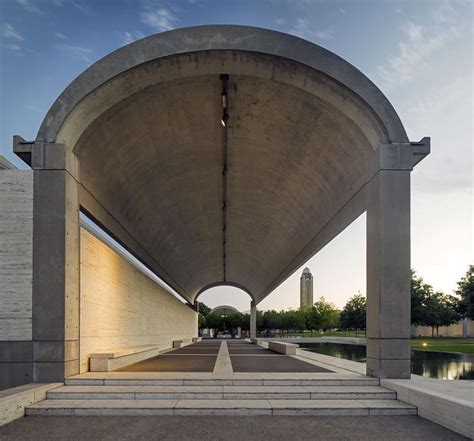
(416, 48)
(15, 48)
(29, 7)
(13, 39)
(324, 35)
(280, 21)
(130, 37)
(86, 10)
(34, 108)
(60, 36)
(8, 31)
(80, 52)
(304, 28)
(446, 113)
(158, 18)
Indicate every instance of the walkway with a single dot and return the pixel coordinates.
(223, 357)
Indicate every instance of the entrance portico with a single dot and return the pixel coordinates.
(136, 142)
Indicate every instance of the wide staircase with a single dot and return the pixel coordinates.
(362, 396)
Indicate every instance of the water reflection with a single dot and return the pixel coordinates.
(440, 365)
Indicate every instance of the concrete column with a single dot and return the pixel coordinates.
(196, 308)
(56, 261)
(388, 263)
(253, 319)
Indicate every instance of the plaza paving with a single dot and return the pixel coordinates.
(240, 354)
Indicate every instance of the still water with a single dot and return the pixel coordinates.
(440, 365)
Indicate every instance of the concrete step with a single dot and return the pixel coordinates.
(331, 381)
(220, 393)
(220, 407)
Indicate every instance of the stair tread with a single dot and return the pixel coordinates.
(173, 404)
(148, 378)
(219, 389)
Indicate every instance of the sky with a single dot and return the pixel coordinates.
(418, 52)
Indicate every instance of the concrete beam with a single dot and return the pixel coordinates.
(46, 155)
(94, 209)
(5, 164)
(349, 212)
(421, 149)
(401, 156)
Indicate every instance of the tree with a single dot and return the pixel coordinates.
(203, 312)
(313, 319)
(215, 322)
(201, 321)
(439, 310)
(293, 320)
(204, 309)
(259, 321)
(327, 313)
(271, 321)
(420, 291)
(234, 321)
(465, 291)
(430, 308)
(353, 316)
(246, 322)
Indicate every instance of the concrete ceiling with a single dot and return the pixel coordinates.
(151, 152)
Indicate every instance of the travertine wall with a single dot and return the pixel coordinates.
(16, 255)
(123, 307)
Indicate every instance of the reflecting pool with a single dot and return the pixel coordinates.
(440, 365)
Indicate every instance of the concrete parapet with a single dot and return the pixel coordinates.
(282, 348)
(13, 401)
(181, 343)
(256, 341)
(109, 361)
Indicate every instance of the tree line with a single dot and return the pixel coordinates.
(435, 309)
(428, 308)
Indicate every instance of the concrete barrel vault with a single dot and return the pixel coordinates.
(136, 142)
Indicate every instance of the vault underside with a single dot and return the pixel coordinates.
(155, 161)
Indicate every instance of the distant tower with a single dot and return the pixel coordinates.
(306, 288)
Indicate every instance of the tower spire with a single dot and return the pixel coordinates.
(306, 288)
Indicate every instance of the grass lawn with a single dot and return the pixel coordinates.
(459, 344)
(446, 344)
(308, 334)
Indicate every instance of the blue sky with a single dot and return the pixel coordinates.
(418, 52)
